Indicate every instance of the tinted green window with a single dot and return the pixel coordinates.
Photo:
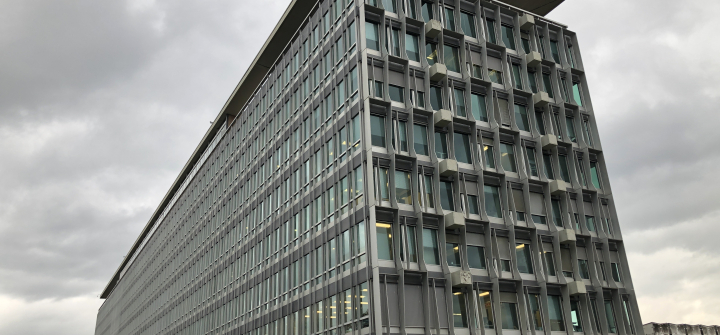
(564, 173)
(441, 145)
(431, 53)
(462, 148)
(489, 156)
(452, 250)
(550, 263)
(426, 11)
(476, 257)
(533, 82)
(478, 107)
(396, 93)
(590, 220)
(556, 212)
(570, 129)
(436, 97)
(521, 118)
(610, 316)
(459, 310)
(594, 177)
(547, 82)
(430, 247)
(452, 58)
(508, 312)
(429, 199)
(535, 313)
(508, 37)
(526, 45)
(403, 193)
(492, 201)
(575, 316)
(507, 157)
(372, 39)
(555, 313)
(412, 47)
(554, 51)
(576, 94)
(390, 5)
(384, 182)
(495, 76)
(384, 241)
(517, 80)
(524, 262)
(446, 196)
(402, 136)
(420, 139)
(460, 102)
(547, 162)
(491, 31)
(468, 24)
(377, 130)
(583, 267)
(531, 161)
(473, 207)
(485, 309)
(449, 18)
(412, 244)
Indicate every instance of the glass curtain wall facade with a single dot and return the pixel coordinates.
(320, 202)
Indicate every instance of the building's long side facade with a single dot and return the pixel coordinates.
(405, 167)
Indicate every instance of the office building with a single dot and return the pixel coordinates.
(391, 167)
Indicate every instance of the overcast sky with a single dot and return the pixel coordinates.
(102, 103)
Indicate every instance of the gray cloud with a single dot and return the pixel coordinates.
(103, 102)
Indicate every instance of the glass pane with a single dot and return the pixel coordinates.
(531, 162)
(495, 76)
(575, 316)
(507, 157)
(508, 312)
(491, 31)
(371, 36)
(473, 205)
(459, 310)
(452, 251)
(547, 162)
(420, 139)
(478, 108)
(565, 174)
(615, 272)
(402, 136)
(489, 157)
(554, 51)
(468, 24)
(462, 148)
(430, 247)
(557, 214)
(517, 80)
(547, 84)
(540, 123)
(396, 93)
(533, 82)
(576, 94)
(492, 201)
(594, 177)
(452, 58)
(535, 313)
(508, 37)
(610, 315)
(384, 241)
(429, 199)
(583, 267)
(431, 52)
(377, 131)
(446, 196)
(590, 220)
(555, 313)
(412, 48)
(449, 18)
(403, 194)
(390, 5)
(485, 308)
(412, 244)
(550, 263)
(524, 262)
(570, 129)
(436, 97)
(460, 102)
(476, 257)
(521, 118)
(426, 11)
(526, 45)
(441, 145)
(384, 193)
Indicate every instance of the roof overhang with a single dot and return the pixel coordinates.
(539, 7)
(283, 33)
